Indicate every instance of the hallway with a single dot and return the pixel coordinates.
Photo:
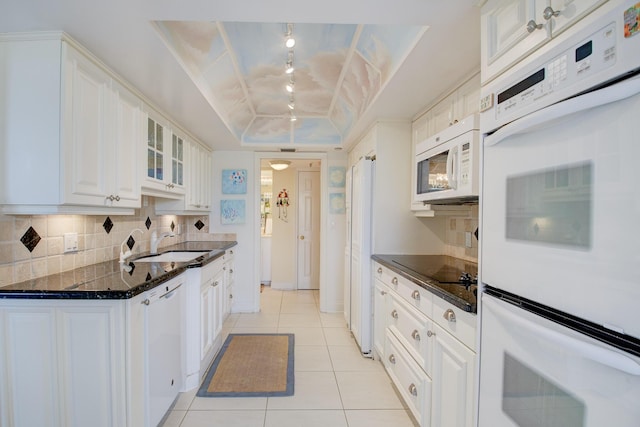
(334, 385)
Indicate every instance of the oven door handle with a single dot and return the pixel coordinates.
(591, 351)
(556, 112)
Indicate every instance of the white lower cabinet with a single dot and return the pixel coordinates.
(229, 282)
(428, 350)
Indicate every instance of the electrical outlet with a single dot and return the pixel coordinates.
(467, 239)
(70, 242)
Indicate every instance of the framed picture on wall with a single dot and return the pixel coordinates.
(234, 181)
(337, 176)
(232, 212)
(337, 203)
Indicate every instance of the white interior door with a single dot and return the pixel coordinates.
(308, 229)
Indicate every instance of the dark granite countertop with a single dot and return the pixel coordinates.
(421, 270)
(109, 280)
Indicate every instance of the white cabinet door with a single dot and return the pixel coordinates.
(569, 12)
(159, 159)
(505, 37)
(467, 99)
(128, 129)
(206, 318)
(442, 114)
(453, 403)
(86, 106)
(29, 372)
(91, 351)
(380, 317)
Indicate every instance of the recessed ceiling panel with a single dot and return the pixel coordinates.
(339, 70)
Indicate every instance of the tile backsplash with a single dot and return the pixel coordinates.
(455, 236)
(42, 253)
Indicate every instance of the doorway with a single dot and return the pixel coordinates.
(290, 201)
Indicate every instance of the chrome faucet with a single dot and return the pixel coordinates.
(155, 240)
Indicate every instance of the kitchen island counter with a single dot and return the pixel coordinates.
(112, 280)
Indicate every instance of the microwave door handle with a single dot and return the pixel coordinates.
(608, 95)
(452, 160)
(594, 352)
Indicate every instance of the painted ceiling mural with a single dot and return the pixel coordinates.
(240, 69)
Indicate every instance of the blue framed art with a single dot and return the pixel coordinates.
(234, 181)
(337, 176)
(232, 212)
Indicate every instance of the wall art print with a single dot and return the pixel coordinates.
(337, 176)
(337, 203)
(234, 181)
(232, 212)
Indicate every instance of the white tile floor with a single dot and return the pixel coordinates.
(334, 385)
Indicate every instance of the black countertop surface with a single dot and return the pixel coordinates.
(109, 280)
(435, 273)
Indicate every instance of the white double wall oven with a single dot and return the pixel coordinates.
(560, 330)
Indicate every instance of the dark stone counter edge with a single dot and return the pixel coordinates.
(119, 294)
(424, 282)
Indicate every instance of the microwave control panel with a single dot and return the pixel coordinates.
(465, 164)
(584, 59)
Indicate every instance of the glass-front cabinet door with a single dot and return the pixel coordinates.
(177, 160)
(155, 150)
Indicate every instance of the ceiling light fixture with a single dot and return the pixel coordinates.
(291, 106)
(279, 165)
(289, 68)
(290, 42)
(289, 86)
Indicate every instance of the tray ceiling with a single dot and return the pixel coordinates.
(339, 69)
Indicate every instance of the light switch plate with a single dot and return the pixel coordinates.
(70, 242)
(467, 239)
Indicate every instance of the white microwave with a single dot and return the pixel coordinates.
(446, 165)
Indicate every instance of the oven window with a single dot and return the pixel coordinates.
(551, 206)
(432, 174)
(531, 400)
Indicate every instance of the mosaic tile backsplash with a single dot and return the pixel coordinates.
(33, 246)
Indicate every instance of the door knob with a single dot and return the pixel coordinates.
(301, 237)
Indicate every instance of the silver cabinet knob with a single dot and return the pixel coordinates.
(383, 292)
(532, 26)
(394, 314)
(449, 315)
(415, 295)
(392, 359)
(146, 301)
(549, 13)
(415, 335)
(394, 280)
(430, 333)
(216, 283)
(413, 389)
(231, 271)
(379, 270)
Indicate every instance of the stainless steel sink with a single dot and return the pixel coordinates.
(177, 256)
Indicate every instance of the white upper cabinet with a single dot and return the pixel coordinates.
(512, 29)
(460, 103)
(70, 131)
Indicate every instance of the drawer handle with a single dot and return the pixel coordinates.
(394, 280)
(392, 359)
(413, 389)
(415, 295)
(430, 333)
(394, 314)
(415, 335)
(231, 271)
(449, 315)
(379, 270)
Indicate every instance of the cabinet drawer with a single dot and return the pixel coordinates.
(415, 295)
(412, 383)
(413, 329)
(457, 322)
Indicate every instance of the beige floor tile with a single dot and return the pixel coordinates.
(327, 418)
(333, 320)
(313, 390)
(257, 320)
(254, 330)
(173, 419)
(379, 391)
(183, 402)
(312, 358)
(301, 297)
(349, 358)
(305, 336)
(224, 419)
(379, 418)
(228, 403)
(338, 336)
(298, 308)
(300, 320)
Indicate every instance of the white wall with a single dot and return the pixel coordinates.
(247, 282)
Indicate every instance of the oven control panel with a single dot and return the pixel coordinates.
(586, 58)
